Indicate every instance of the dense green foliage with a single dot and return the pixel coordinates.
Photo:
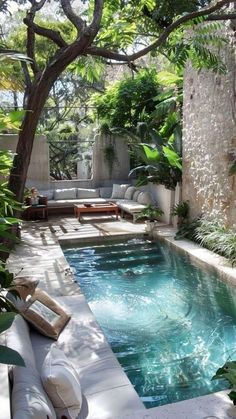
(7, 223)
(147, 109)
(8, 228)
(212, 235)
(128, 101)
(150, 212)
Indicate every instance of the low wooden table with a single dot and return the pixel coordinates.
(109, 207)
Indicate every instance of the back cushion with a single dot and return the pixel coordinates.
(87, 193)
(65, 193)
(118, 191)
(136, 194)
(145, 198)
(129, 192)
(49, 193)
(29, 399)
(105, 192)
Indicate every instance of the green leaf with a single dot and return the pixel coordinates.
(6, 320)
(150, 153)
(168, 79)
(232, 170)
(172, 157)
(232, 396)
(10, 357)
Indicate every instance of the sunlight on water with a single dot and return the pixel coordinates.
(170, 324)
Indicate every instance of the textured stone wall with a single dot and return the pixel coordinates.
(38, 171)
(209, 141)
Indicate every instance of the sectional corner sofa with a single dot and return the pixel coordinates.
(129, 199)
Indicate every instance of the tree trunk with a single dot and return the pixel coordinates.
(36, 100)
(37, 96)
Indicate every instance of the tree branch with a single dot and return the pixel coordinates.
(30, 48)
(79, 23)
(97, 16)
(47, 33)
(162, 38)
(222, 17)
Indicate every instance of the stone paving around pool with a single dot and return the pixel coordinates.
(40, 254)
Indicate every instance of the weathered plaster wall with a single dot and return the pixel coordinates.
(118, 170)
(38, 172)
(209, 141)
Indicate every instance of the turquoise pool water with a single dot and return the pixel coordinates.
(170, 324)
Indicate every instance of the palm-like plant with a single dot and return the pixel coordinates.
(160, 148)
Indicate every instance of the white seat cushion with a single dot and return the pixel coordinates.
(130, 206)
(61, 382)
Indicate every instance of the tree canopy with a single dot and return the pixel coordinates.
(115, 30)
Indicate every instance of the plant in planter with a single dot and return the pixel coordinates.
(151, 213)
(181, 211)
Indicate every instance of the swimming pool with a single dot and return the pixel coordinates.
(170, 324)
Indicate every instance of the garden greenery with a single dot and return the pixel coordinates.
(210, 234)
(8, 228)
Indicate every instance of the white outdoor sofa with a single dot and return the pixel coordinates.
(106, 390)
(129, 199)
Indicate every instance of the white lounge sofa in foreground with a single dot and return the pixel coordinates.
(106, 390)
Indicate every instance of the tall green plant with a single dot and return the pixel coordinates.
(8, 223)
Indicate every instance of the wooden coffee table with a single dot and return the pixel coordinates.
(108, 207)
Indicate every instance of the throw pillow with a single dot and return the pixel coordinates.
(145, 198)
(129, 192)
(25, 285)
(29, 400)
(45, 314)
(118, 191)
(61, 382)
(136, 194)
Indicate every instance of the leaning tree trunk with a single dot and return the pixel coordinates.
(37, 97)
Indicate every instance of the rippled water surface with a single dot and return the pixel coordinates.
(169, 323)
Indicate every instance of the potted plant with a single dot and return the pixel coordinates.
(150, 213)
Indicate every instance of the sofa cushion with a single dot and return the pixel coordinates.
(87, 193)
(65, 193)
(18, 339)
(145, 198)
(136, 194)
(48, 193)
(45, 314)
(105, 192)
(65, 203)
(29, 400)
(61, 382)
(130, 206)
(118, 191)
(129, 192)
